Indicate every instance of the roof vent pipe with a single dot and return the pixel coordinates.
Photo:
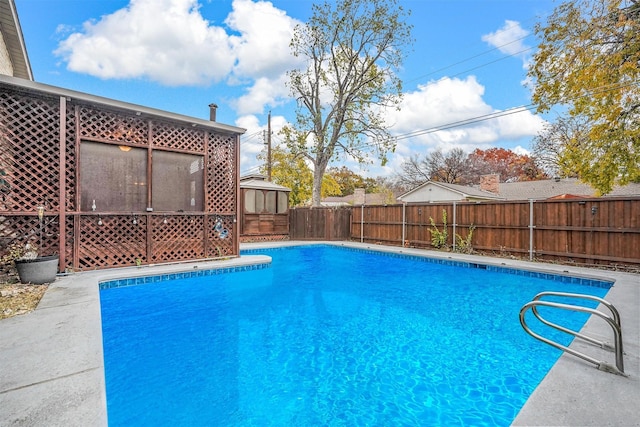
(212, 112)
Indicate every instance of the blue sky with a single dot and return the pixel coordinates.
(469, 60)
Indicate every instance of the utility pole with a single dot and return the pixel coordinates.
(269, 147)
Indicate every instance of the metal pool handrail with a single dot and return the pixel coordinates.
(613, 321)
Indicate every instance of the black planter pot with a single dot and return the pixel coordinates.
(41, 270)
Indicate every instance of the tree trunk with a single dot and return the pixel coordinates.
(318, 173)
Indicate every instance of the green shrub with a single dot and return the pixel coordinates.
(439, 238)
(464, 244)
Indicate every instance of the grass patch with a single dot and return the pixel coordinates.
(16, 298)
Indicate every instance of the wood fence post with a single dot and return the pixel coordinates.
(361, 223)
(404, 222)
(62, 187)
(531, 227)
(453, 237)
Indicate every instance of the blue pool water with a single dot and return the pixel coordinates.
(326, 336)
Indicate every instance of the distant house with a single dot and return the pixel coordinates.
(491, 189)
(14, 60)
(358, 198)
(435, 192)
(565, 188)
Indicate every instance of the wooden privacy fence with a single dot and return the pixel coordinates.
(586, 231)
(602, 231)
(319, 223)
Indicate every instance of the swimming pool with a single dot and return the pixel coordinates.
(328, 336)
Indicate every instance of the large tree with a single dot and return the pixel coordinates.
(291, 171)
(352, 50)
(551, 145)
(588, 61)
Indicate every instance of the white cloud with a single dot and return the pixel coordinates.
(446, 102)
(170, 42)
(439, 102)
(263, 92)
(167, 41)
(521, 151)
(509, 39)
(262, 48)
(518, 125)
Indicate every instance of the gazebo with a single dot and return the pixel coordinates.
(116, 184)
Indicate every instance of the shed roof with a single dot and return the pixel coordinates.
(259, 182)
(12, 34)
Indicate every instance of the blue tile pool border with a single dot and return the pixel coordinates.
(140, 280)
(466, 264)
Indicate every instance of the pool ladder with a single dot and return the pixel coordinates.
(613, 321)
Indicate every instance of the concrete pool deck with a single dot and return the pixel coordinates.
(52, 372)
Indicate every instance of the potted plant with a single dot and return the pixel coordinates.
(31, 267)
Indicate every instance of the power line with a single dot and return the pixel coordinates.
(514, 110)
(251, 170)
(248, 138)
(462, 61)
(465, 122)
(473, 57)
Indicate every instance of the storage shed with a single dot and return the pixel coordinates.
(264, 210)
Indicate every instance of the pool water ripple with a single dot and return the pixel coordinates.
(326, 337)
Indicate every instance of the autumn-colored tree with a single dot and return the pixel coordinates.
(352, 50)
(588, 62)
(349, 180)
(456, 167)
(292, 171)
(506, 163)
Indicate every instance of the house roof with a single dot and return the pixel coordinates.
(463, 190)
(525, 190)
(369, 199)
(13, 39)
(259, 182)
(554, 188)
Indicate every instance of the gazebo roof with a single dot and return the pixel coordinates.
(112, 104)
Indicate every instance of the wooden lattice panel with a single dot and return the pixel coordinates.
(30, 176)
(112, 241)
(109, 126)
(221, 243)
(68, 244)
(168, 135)
(177, 238)
(221, 174)
(26, 229)
(29, 140)
(70, 161)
